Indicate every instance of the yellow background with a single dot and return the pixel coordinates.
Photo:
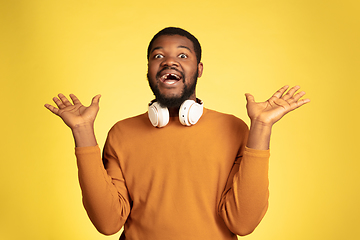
(91, 47)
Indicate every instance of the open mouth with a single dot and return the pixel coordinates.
(170, 78)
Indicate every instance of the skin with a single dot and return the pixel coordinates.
(176, 52)
(170, 51)
(264, 115)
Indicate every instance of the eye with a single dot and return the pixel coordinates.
(182, 55)
(158, 56)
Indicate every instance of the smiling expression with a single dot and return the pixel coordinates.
(173, 70)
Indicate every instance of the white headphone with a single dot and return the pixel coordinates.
(189, 113)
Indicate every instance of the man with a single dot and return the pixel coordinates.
(163, 180)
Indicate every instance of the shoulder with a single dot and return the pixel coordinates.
(224, 119)
(138, 122)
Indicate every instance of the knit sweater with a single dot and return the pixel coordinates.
(176, 182)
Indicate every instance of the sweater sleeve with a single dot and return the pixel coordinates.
(106, 200)
(245, 199)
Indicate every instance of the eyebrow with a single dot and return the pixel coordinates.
(181, 46)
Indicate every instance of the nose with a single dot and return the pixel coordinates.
(169, 61)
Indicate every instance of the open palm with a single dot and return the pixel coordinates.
(74, 114)
(275, 107)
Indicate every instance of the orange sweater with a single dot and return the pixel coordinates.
(176, 182)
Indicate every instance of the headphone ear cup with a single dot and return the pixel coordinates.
(195, 113)
(190, 112)
(159, 116)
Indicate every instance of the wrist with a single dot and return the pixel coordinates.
(260, 124)
(81, 127)
(259, 135)
(84, 135)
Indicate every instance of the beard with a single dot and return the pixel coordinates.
(174, 101)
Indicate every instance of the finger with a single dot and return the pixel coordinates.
(96, 100)
(290, 93)
(297, 96)
(64, 100)
(249, 97)
(58, 103)
(299, 103)
(281, 91)
(74, 99)
(52, 108)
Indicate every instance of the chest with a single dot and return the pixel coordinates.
(178, 162)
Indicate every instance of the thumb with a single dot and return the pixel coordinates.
(249, 97)
(96, 100)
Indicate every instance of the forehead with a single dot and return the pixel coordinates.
(168, 41)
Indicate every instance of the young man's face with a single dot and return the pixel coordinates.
(173, 70)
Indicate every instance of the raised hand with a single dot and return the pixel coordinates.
(276, 107)
(75, 114)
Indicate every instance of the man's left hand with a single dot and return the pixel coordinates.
(269, 112)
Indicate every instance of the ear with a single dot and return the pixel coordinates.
(200, 69)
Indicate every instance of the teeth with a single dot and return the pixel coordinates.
(166, 76)
(176, 76)
(163, 77)
(171, 82)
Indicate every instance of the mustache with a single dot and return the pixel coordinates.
(171, 68)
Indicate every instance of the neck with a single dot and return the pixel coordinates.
(174, 111)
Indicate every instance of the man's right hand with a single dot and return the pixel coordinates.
(78, 117)
(75, 114)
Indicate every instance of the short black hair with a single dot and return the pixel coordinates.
(177, 31)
